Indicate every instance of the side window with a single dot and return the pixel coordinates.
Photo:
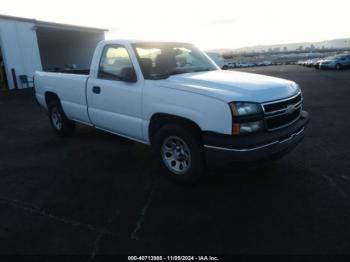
(114, 60)
(148, 59)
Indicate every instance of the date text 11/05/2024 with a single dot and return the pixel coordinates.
(173, 258)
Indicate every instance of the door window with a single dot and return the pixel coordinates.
(114, 60)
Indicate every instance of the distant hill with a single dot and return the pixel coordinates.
(335, 43)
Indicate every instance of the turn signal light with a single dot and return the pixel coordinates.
(236, 129)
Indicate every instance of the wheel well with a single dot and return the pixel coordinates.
(50, 97)
(160, 119)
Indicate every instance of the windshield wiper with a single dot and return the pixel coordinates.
(204, 69)
(159, 76)
(165, 75)
(177, 72)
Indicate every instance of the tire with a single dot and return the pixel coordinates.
(59, 121)
(337, 67)
(180, 152)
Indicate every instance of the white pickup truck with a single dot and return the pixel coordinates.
(174, 97)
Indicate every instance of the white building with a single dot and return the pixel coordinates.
(27, 45)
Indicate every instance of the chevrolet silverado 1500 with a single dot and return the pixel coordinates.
(174, 97)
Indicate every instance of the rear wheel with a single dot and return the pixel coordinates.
(337, 66)
(180, 152)
(59, 122)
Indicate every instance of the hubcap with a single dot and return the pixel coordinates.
(56, 119)
(176, 155)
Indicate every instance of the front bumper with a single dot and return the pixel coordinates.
(256, 147)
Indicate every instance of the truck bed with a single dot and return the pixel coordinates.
(69, 86)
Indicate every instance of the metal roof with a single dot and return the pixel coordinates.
(145, 42)
(45, 24)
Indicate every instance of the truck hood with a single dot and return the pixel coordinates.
(231, 86)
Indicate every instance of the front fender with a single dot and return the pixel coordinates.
(208, 113)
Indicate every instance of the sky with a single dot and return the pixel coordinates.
(208, 23)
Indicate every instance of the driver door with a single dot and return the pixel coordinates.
(114, 104)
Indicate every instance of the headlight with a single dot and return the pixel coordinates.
(245, 108)
(247, 117)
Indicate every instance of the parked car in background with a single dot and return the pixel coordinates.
(245, 64)
(317, 63)
(336, 62)
(304, 62)
(228, 65)
(218, 59)
(267, 63)
(300, 62)
(221, 61)
(173, 97)
(311, 62)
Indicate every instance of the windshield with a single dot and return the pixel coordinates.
(333, 58)
(161, 60)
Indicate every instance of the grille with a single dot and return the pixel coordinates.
(271, 107)
(283, 112)
(282, 120)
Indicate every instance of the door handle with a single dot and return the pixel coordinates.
(96, 89)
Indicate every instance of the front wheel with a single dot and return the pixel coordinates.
(338, 67)
(180, 152)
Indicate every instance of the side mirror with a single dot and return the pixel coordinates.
(128, 74)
